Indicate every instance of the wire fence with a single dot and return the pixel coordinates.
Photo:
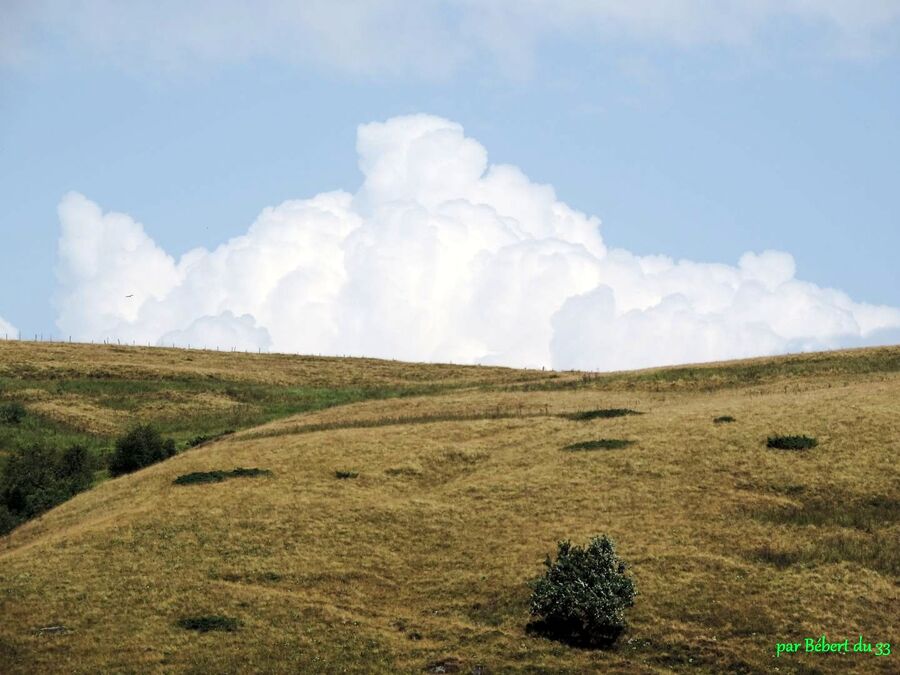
(49, 338)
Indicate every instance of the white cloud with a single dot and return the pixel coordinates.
(441, 256)
(7, 330)
(429, 37)
(226, 329)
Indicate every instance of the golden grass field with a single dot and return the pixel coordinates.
(422, 562)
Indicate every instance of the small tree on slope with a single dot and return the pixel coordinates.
(582, 597)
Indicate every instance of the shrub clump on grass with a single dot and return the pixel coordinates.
(343, 475)
(601, 444)
(204, 624)
(723, 419)
(791, 442)
(12, 413)
(200, 439)
(583, 595)
(140, 447)
(218, 476)
(602, 413)
(37, 478)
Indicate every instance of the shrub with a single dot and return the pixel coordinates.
(77, 467)
(37, 478)
(345, 474)
(204, 624)
(601, 444)
(723, 419)
(582, 597)
(27, 472)
(791, 442)
(12, 413)
(200, 439)
(140, 447)
(602, 413)
(218, 476)
(197, 440)
(7, 520)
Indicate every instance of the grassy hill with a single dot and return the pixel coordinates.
(459, 486)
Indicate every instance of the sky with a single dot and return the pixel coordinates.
(597, 185)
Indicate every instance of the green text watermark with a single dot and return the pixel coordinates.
(821, 644)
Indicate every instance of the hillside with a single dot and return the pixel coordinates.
(420, 562)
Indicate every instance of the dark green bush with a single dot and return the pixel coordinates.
(140, 447)
(7, 520)
(218, 476)
(791, 442)
(601, 444)
(37, 478)
(602, 413)
(583, 595)
(199, 439)
(12, 413)
(345, 474)
(723, 419)
(204, 624)
(76, 465)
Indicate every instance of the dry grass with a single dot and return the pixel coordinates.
(76, 413)
(424, 556)
(64, 361)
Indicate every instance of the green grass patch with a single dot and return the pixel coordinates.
(35, 429)
(601, 413)
(791, 442)
(207, 623)
(198, 477)
(600, 444)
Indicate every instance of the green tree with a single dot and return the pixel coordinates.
(583, 595)
(140, 447)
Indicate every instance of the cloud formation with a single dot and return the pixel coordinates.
(7, 329)
(440, 256)
(429, 37)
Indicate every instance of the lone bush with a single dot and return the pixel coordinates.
(218, 476)
(791, 442)
(200, 439)
(582, 597)
(344, 475)
(601, 444)
(12, 413)
(602, 413)
(204, 624)
(140, 447)
(723, 419)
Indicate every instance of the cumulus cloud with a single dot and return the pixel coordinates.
(226, 329)
(441, 256)
(429, 37)
(7, 329)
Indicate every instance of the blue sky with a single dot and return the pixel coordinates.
(702, 137)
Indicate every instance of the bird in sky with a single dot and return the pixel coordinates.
(130, 296)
